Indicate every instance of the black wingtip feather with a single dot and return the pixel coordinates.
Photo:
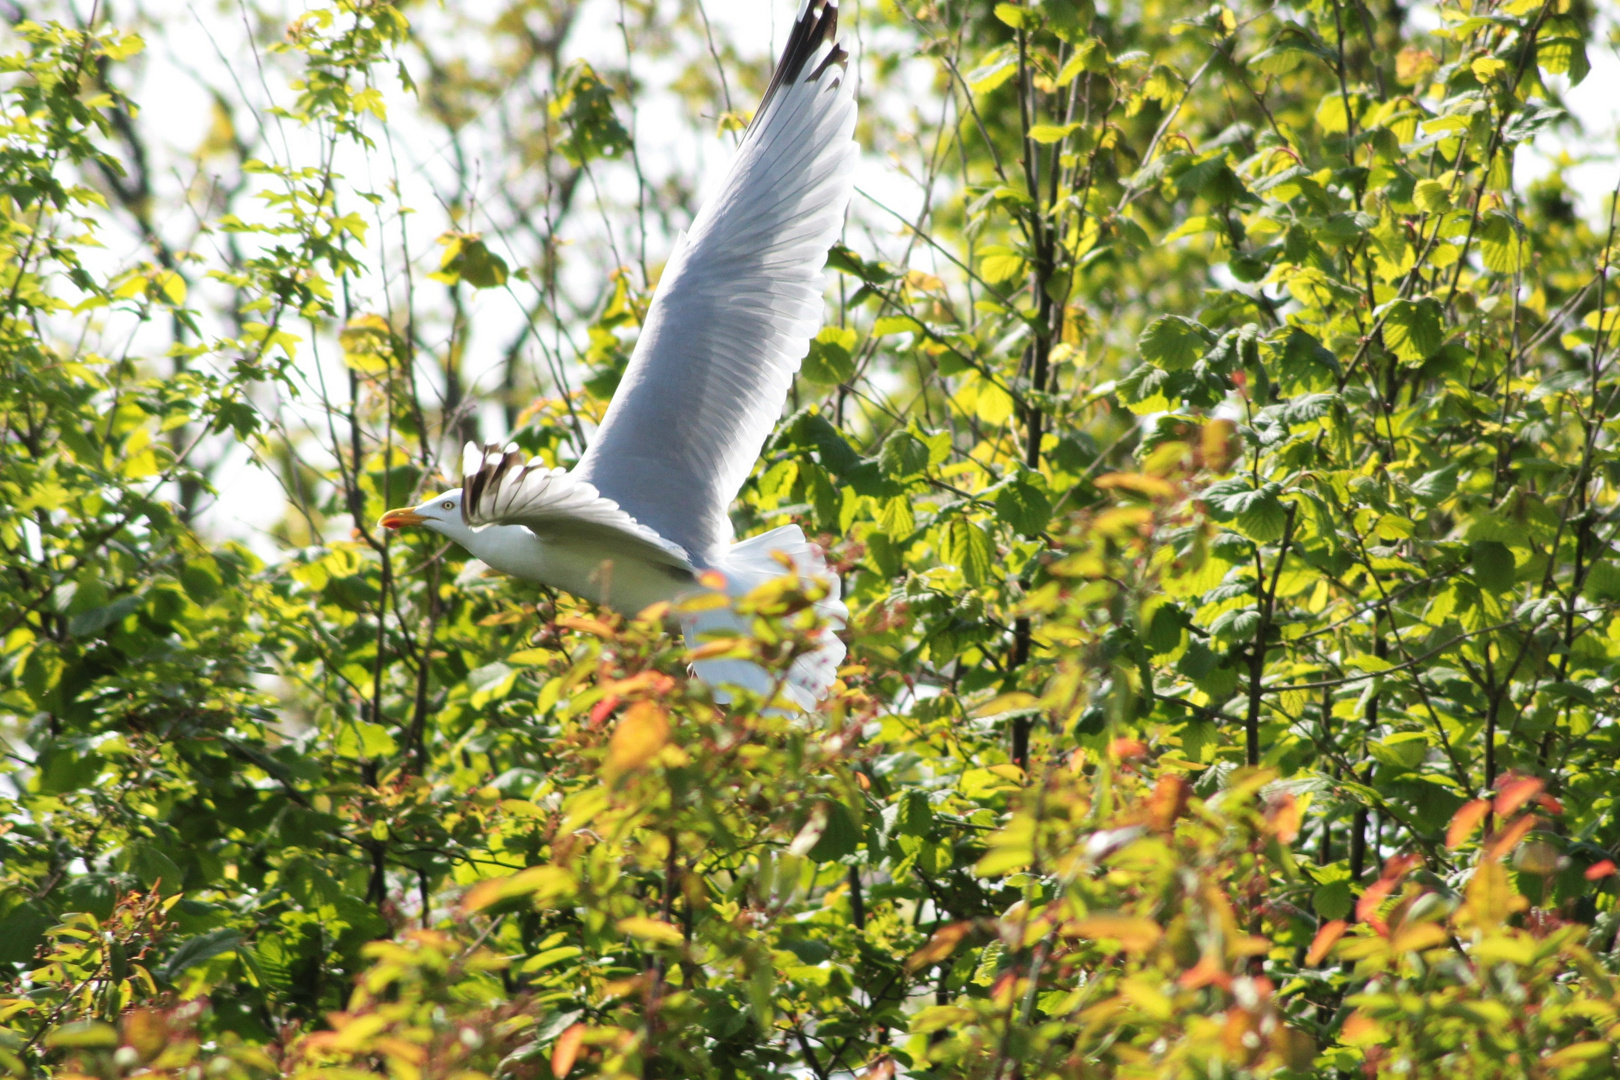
(816, 27)
(486, 479)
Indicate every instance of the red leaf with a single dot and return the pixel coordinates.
(1508, 839)
(1515, 793)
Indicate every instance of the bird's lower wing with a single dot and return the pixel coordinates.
(497, 488)
(737, 305)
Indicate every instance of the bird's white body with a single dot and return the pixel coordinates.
(627, 585)
(643, 518)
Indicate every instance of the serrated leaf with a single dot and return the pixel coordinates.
(1000, 264)
(968, 547)
(1433, 488)
(1431, 196)
(1413, 329)
(1259, 514)
(830, 360)
(1024, 506)
(1172, 342)
(903, 455)
(1493, 565)
(200, 950)
(1502, 245)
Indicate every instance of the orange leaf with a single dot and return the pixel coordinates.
(728, 647)
(594, 627)
(566, 1050)
(642, 732)
(1151, 487)
(1207, 971)
(1508, 839)
(940, 946)
(1325, 939)
(881, 1069)
(1367, 906)
(1416, 937)
(1285, 817)
(1219, 445)
(1515, 793)
(1168, 801)
(1134, 934)
(1599, 871)
(1126, 749)
(1396, 866)
(1465, 821)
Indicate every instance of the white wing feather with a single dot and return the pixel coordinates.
(737, 305)
(497, 489)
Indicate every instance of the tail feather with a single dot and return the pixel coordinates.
(747, 566)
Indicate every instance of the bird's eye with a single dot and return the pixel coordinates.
(448, 505)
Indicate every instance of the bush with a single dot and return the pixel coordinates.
(1220, 465)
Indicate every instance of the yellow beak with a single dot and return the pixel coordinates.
(398, 519)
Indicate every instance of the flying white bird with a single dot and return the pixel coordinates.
(643, 517)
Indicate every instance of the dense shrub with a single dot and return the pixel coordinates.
(1218, 451)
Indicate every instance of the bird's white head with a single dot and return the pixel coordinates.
(441, 513)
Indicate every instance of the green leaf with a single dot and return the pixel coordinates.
(1173, 342)
(584, 105)
(1144, 389)
(200, 950)
(1331, 117)
(1413, 329)
(1047, 134)
(1493, 565)
(92, 622)
(1011, 14)
(1561, 49)
(1431, 196)
(1333, 900)
(1024, 506)
(83, 1035)
(914, 817)
(903, 455)
(1258, 512)
(999, 264)
(840, 836)
(966, 545)
(997, 67)
(1502, 246)
(1433, 488)
(467, 258)
(831, 357)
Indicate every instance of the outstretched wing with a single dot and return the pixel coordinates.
(739, 300)
(498, 489)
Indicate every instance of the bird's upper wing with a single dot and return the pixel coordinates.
(738, 302)
(498, 489)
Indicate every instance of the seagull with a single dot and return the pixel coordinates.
(643, 517)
